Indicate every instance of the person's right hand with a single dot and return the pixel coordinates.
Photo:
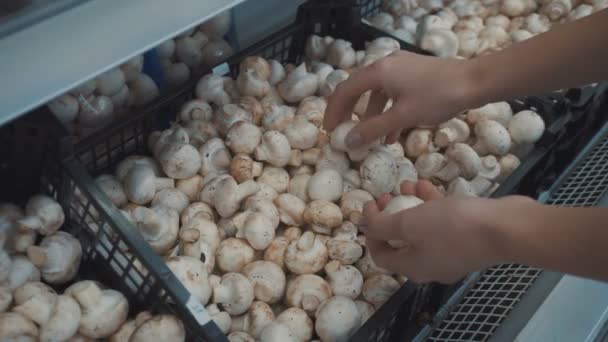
(425, 91)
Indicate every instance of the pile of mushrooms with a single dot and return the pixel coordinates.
(252, 203)
(32, 310)
(469, 28)
(112, 94)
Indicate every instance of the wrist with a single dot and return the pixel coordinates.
(476, 84)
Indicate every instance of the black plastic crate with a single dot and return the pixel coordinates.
(31, 152)
(413, 305)
(369, 7)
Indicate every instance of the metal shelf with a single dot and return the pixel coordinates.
(51, 57)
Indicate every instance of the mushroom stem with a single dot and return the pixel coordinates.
(37, 255)
(89, 296)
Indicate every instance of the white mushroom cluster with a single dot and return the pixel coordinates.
(253, 204)
(469, 28)
(30, 310)
(112, 94)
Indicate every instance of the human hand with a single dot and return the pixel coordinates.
(447, 237)
(425, 91)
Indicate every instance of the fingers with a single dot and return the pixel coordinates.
(393, 137)
(408, 188)
(341, 103)
(377, 101)
(373, 128)
(383, 200)
(423, 189)
(380, 226)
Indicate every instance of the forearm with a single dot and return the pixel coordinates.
(569, 240)
(569, 55)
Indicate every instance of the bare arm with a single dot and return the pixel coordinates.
(569, 55)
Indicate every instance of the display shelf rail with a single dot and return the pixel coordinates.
(48, 58)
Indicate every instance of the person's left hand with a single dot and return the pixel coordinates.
(447, 237)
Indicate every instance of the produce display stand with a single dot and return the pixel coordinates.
(36, 147)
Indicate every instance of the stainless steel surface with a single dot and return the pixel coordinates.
(49, 58)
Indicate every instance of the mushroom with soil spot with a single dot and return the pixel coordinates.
(161, 328)
(268, 280)
(243, 137)
(233, 254)
(243, 168)
(159, 226)
(298, 322)
(379, 172)
(344, 247)
(274, 149)
(193, 274)
(57, 256)
(254, 321)
(344, 280)
(307, 291)
(322, 216)
(353, 202)
(337, 319)
(275, 252)
(492, 138)
(378, 288)
(234, 293)
(291, 209)
(306, 255)
(103, 310)
(215, 157)
(301, 133)
(256, 228)
(275, 177)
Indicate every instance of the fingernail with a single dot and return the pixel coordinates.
(354, 140)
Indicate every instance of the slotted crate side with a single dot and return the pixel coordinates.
(369, 7)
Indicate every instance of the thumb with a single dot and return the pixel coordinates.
(374, 128)
(380, 226)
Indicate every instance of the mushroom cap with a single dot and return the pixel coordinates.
(171, 198)
(344, 280)
(378, 288)
(442, 42)
(22, 271)
(340, 54)
(301, 133)
(240, 336)
(497, 111)
(268, 280)
(323, 215)
(306, 255)
(233, 254)
(160, 328)
(48, 211)
(275, 177)
(193, 274)
(291, 209)
(112, 187)
(406, 172)
(195, 209)
(428, 164)
(275, 252)
(234, 292)
(57, 256)
(379, 173)
(298, 85)
(332, 159)
(64, 320)
(325, 184)
(15, 327)
(274, 149)
(526, 127)
(243, 137)
(492, 137)
(263, 206)
(366, 310)
(353, 202)
(466, 158)
(298, 186)
(337, 319)
(401, 202)
(277, 332)
(298, 322)
(307, 291)
(256, 228)
(243, 168)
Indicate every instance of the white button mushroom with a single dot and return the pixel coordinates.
(35, 301)
(325, 184)
(215, 157)
(112, 187)
(233, 254)
(490, 168)
(492, 137)
(254, 73)
(353, 202)
(419, 141)
(243, 137)
(379, 172)
(313, 108)
(277, 72)
(468, 44)
(344, 247)
(338, 141)
(337, 319)
(366, 310)
(406, 172)
(126, 330)
(159, 226)
(196, 109)
(110, 82)
(65, 107)
(126, 164)
(306, 255)
(240, 336)
(579, 12)
(190, 187)
(193, 274)
(103, 310)
(228, 195)
(21, 272)
(397, 204)
(382, 21)
(57, 257)
(453, 131)
(42, 214)
(537, 23)
(142, 90)
(301, 133)
(298, 186)
(256, 228)
(196, 209)
(508, 164)
(366, 264)
(344, 280)
(298, 322)
(520, 35)
(243, 168)
(251, 105)
(462, 160)
(307, 291)
(221, 318)
(497, 111)
(141, 184)
(188, 51)
(229, 114)
(210, 88)
(171, 198)
(332, 159)
(340, 54)
(378, 288)
(234, 292)
(478, 186)
(15, 327)
(298, 85)
(274, 149)
(268, 280)
(275, 252)
(322, 216)
(254, 321)
(442, 42)
(331, 82)
(64, 321)
(526, 127)
(291, 209)
(316, 47)
(160, 328)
